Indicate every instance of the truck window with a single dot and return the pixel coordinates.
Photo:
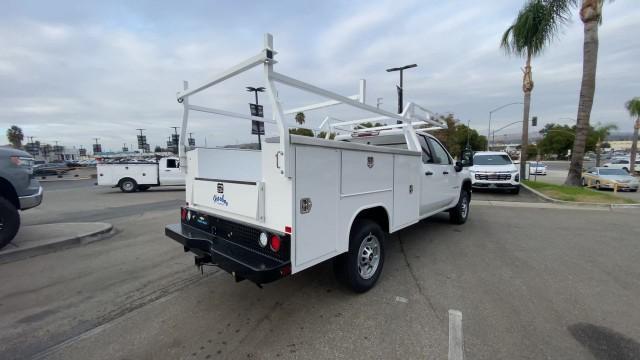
(440, 155)
(426, 152)
(172, 164)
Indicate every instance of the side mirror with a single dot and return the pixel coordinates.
(458, 166)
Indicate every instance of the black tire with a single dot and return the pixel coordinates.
(143, 187)
(347, 266)
(128, 185)
(459, 214)
(9, 222)
(516, 190)
(597, 185)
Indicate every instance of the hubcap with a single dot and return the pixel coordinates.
(464, 206)
(368, 256)
(128, 186)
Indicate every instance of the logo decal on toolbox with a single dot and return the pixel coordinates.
(220, 188)
(220, 200)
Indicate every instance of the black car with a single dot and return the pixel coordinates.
(50, 169)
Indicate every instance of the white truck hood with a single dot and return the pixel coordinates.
(493, 168)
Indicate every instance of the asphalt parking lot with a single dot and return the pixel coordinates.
(531, 283)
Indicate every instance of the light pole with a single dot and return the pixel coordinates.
(491, 114)
(399, 88)
(259, 126)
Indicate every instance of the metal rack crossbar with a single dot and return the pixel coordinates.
(408, 118)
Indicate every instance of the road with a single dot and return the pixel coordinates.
(530, 283)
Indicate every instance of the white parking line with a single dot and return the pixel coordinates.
(456, 343)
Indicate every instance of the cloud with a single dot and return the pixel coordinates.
(71, 72)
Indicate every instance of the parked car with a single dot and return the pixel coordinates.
(494, 170)
(50, 169)
(19, 190)
(608, 178)
(537, 168)
(623, 164)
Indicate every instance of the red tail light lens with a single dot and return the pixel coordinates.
(183, 213)
(275, 243)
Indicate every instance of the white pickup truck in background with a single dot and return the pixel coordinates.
(141, 175)
(265, 214)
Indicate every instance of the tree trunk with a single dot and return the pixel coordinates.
(587, 89)
(634, 147)
(527, 87)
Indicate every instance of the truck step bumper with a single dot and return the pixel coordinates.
(242, 263)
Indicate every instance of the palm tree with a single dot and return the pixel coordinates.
(591, 16)
(601, 133)
(535, 26)
(15, 136)
(300, 118)
(633, 106)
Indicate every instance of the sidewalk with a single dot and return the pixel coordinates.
(41, 239)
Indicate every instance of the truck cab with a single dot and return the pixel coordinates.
(19, 190)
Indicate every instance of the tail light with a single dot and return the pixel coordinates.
(275, 243)
(183, 213)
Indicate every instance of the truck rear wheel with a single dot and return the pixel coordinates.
(128, 185)
(9, 222)
(360, 268)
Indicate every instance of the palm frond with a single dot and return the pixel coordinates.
(536, 25)
(633, 106)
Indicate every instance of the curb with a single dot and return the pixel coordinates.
(575, 203)
(50, 246)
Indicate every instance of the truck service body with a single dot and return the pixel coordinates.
(134, 176)
(265, 214)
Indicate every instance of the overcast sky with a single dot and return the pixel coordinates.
(74, 70)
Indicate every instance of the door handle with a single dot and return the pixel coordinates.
(167, 170)
(428, 173)
(445, 172)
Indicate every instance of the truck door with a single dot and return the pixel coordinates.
(170, 173)
(446, 167)
(433, 182)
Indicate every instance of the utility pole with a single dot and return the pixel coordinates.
(400, 88)
(142, 141)
(258, 112)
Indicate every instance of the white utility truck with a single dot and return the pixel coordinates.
(141, 175)
(265, 214)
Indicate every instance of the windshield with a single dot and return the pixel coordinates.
(613, 172)
(491, 160)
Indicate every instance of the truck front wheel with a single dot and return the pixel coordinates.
(9, 222)
(128, 185)
(360, 268)
(460, 213)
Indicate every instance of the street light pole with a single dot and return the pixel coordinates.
(491, 114)
(400, 88)
(256, 90)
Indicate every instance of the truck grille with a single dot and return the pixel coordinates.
(496, 176)
(240, 234)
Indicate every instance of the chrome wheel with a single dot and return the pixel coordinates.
(464, 206)
(127, 186)
(368, 256)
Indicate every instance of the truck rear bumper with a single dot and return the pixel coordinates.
(242, 263)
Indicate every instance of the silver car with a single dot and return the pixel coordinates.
(608, 178)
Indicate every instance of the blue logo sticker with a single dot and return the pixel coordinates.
(220, 200)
